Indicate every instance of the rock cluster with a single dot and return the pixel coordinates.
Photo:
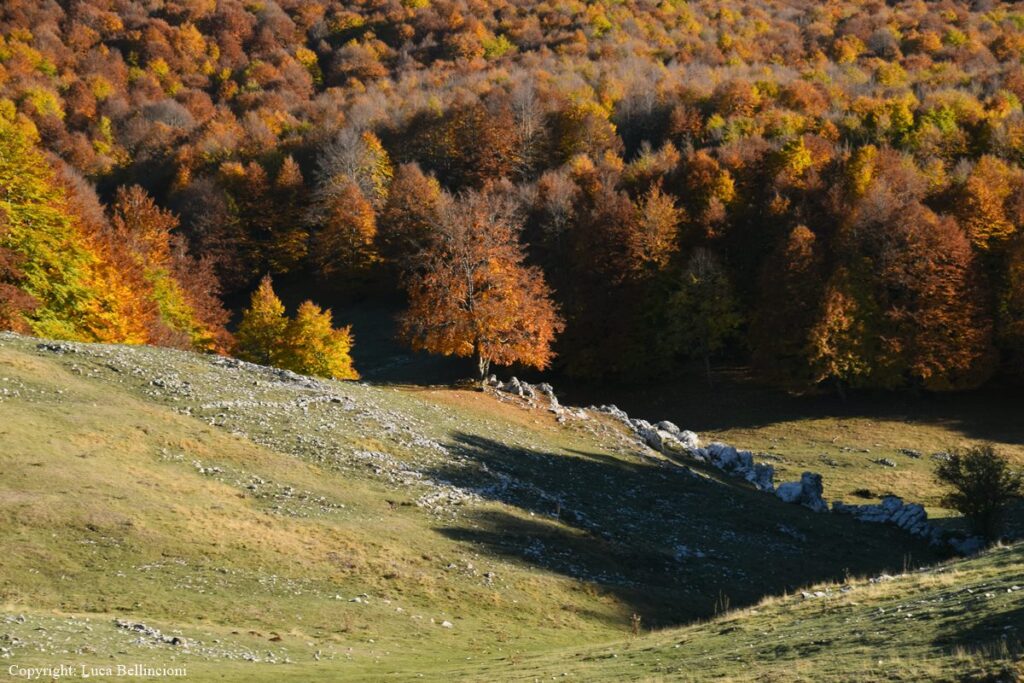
(149, 632)
(911, 517)
(56, 347)
(532, 392)
(513, 386)
(739, 464)
(667, 438)
(523, 389)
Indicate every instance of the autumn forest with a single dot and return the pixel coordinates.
(831, 193)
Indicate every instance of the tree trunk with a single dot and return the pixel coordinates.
(482, 364)
(840, 389)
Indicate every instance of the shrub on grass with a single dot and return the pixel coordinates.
(982, 486)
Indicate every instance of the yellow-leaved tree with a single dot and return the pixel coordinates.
(314, 347)
(260, 335)
(309, 344)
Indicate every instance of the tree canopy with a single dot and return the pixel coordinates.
(853, 170)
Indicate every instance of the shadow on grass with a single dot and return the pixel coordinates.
(996, 635)
(669, 544)
(740, 401)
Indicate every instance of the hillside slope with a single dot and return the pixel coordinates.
(251, 524)
(960, 621)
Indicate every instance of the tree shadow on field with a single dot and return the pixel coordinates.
(990, 633)
(980, 629)
(669, 544)
(739, 401)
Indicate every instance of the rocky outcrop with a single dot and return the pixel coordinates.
(522, 389)
(739, 464)
(513, 386)
(911, 517)
(548, 392)
(667, 438)
(806, 492)
(664, 437)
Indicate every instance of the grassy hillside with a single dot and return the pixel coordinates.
(960, 621)
(290, 529)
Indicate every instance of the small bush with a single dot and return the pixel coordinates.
(982, 486)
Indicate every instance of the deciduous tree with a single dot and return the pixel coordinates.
(983, 484)
(260, 337)
(314, 347)
(289, 241)
(344, 244)
(408, 217)
(704, 313)
(473, 296)
(15, 303)
(790, 293)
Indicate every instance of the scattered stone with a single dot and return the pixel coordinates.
(884, 462)
(152, 633)
(911, 453)
(683, 552)
(56, 347)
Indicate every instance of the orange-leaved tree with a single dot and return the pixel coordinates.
(183, 288)
(472, 295)
(14, 302)
(405, 221)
